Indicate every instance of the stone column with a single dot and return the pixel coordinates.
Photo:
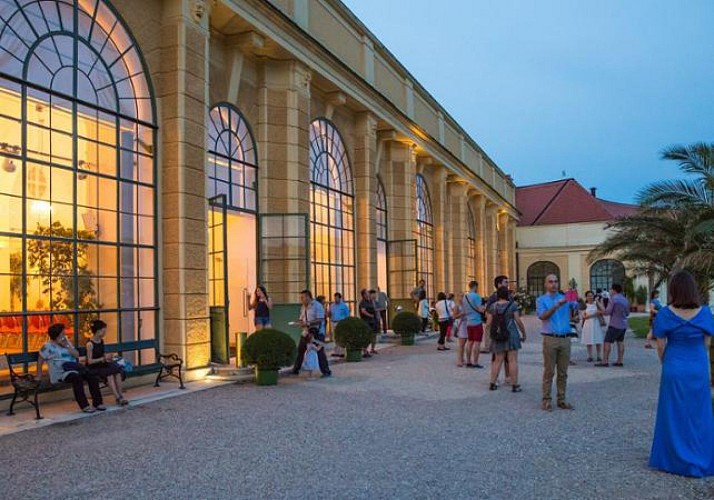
(504, 248)
(365, 174)
(458, 240)
(478, 203)
(491, 244)
(183, 90)
(435, 176)
(283, 135)
(512, 248)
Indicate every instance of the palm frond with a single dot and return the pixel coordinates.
(697, 158)
(674, 193)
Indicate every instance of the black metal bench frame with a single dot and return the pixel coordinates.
(169, 366)
(28, 387)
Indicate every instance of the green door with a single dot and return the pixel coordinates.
(218, 279)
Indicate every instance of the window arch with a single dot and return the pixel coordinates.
(381, 212)
(536, 276)
(471, 244)
(604, 273)
(331, 213)
(232, 163)
(77, 128)
(424, 234)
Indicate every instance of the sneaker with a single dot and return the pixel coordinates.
(366, 355)
(88, 409)
(326, 375)
(478, 366)
(100, 408)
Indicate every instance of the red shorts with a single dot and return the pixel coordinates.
(475, 333)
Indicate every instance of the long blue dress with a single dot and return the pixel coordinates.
(684, 433)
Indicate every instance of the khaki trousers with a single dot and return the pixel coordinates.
(556, 354)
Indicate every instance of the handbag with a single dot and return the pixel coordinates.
(125, 365)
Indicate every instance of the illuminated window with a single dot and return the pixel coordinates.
(470, 245)
(424, 234)
(331, 213)
(77, 131)
(604, 273)
(232, 165)
(536, 276)
(381, 212)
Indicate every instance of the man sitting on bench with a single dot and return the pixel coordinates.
(62, 359)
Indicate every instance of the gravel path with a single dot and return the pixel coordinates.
(405, 424)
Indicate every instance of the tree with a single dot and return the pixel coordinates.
(674, 228)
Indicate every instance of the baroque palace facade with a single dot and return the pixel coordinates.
(163, 157)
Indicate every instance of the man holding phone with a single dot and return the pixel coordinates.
(554, 311)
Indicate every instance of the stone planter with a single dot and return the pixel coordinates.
(353, 355)
(266, 377)
(407, 339)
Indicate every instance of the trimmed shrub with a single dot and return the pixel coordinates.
(269, 349)
(353, 333)
(406, 323)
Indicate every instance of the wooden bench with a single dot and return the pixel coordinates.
(27, 387)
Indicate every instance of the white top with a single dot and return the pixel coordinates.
(445, 309)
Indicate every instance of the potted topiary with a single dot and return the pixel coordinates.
(354, 335)
(406, 324)
(269, 350)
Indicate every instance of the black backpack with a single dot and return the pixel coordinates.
(499, 325)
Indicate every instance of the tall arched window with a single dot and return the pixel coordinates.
(604, 273)
(382, 236)
(471, 245)
(536, 276)
(424, 234)
(232, 164)
(331, 213)
(77, 185)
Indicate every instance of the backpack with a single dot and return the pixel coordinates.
(499, 325)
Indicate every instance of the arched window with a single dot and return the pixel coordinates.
(471, 245)
(77, 188)
(331, 213)
(232, 164)
(382, 236)
(604, 273)
(536, 276)
(381, 212)
(424, 234)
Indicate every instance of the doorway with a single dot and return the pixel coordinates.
(231, 276)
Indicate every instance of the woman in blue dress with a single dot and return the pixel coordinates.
(684, 432)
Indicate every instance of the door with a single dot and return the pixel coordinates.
(242, 267)
(402, 268)
(218, 279)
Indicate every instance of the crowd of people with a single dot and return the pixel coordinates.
(684, 431)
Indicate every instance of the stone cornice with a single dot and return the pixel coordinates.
(273, 23)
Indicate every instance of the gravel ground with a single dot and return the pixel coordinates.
(405, 424)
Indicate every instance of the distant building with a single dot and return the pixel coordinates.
(561, 222)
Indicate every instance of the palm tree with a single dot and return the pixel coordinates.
(674, 228)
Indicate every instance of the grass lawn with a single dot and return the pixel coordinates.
(640, 325)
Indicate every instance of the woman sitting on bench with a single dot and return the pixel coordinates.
(101, 364)
(61, 358)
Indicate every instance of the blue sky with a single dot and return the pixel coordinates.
(595, 88)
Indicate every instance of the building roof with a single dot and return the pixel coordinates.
(565, 202)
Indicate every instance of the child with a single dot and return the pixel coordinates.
(101, 364)
(424, 312)
(310, 363)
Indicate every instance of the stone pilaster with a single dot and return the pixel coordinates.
(478, 203)
(512, 248)
(458, 240)
(492, 262)
(365, 175)
(283, 137)
(435, 176)
(504, 248)
(184, 77)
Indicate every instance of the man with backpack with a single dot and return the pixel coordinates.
(554, 311)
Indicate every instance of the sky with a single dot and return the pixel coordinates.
(592, 88)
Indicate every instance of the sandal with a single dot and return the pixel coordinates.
(547, 406)
(492, 387)
(122, 402)
(565, 406)
(516, 388)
